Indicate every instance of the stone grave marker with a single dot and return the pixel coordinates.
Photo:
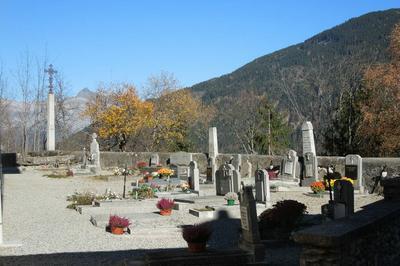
(212, 154)
(154, 160)
(249, 169)
(95, 154)
(310, 169)
(353, 170)
(179, 162)
(308, 138)
(237, 162)
(262, 186)
(194, 176)
(237, 179)
(224, 179)
(290, 166)
(250, 237)
(343, 192)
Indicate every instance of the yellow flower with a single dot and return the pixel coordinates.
(343, 178)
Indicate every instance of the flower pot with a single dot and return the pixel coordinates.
(149, 178)
(231, 202)
(117, 230)
(196, 247)
(166, 212)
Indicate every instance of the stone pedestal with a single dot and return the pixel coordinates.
(51, 129)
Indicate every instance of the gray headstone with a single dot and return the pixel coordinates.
(237, 180)
(290, 166)
(262, 186)
(154, 159)
(194, 176)
(343, 192)
(180, 163)
(310, 169)
(353, 170)
(224, 179)
(250, 237)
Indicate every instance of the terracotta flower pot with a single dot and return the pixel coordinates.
(231, 202)
(149, 178)
(166, 212)
(117, 230)
(196, 247)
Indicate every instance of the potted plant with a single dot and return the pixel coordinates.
(197, 236)
(231, 197)
(118, 224)
(317, 187)
(165, 206)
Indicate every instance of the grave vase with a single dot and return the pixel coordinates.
(196, 247)
(231, 202)
(117, 230)
(166, 212)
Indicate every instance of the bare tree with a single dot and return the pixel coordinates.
(160, 84)
(23, 77)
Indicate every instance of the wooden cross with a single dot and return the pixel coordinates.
(51, 72)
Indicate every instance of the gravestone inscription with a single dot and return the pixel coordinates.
(353, 170)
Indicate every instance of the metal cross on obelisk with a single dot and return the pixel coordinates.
(51, 138)
(51, 72)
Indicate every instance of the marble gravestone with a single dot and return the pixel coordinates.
(194, 176)
(95, 154)
(212, 154)
(263, 193)
(290, 166)
(179, 162)
(353, 170)
(250, 237)
(154, 159)
(227, 179)
(310, 173)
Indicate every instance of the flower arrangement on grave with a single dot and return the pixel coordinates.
(141, 165)
(118, 224)
(184, 186)
(332, 181)
(197, 236)
(165, 172)
(165, 206)
(143, 192)
(231, 197)
(317, 187)
(279, 221)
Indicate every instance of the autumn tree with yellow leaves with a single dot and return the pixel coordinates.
(119, 115)
(380, 105)
(164, 123)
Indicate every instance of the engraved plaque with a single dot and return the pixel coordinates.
(244, 218)
(288, 168)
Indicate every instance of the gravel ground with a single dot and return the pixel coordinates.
(35, 216)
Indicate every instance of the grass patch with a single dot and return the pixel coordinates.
(100, 178)
(56, 176)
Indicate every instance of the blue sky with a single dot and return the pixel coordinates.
(93, 41)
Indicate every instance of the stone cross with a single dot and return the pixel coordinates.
(51, 72)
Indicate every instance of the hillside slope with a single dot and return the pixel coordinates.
(307, 80)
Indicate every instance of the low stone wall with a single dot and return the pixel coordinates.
(371, 166)
(368, 237)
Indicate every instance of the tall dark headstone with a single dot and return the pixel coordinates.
(250, 238)
(343, 192)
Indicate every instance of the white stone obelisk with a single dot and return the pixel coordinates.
(51, 128)
(213, 150)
